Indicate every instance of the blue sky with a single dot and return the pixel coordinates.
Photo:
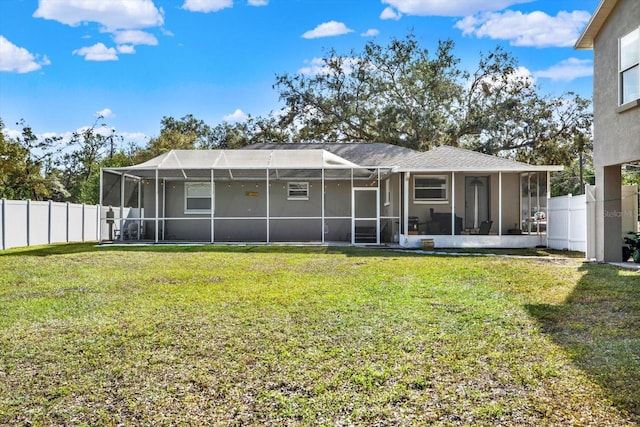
(62, 62)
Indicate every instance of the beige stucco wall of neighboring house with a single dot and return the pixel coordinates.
(616, 130)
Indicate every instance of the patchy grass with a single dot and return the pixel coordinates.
(313, 336)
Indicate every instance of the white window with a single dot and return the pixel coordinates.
(630, 67)
(431, 188)
(197, 197)
(298, 191)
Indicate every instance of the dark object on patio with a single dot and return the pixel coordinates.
(485, 227)
(441, 223)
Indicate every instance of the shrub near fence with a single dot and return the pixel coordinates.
(28, 223)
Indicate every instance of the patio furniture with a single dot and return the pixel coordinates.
(485, 227)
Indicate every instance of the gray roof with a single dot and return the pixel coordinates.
(254, 159)
(446, 159)
(401, 159)
(376, 154)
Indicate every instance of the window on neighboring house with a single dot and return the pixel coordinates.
(298, 191)
(430, 188)
(630, 67)
(197, 197)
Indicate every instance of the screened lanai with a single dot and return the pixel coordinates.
(247, 196)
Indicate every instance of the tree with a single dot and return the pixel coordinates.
(24, 164)
(399, 94)
(402, 95)
(186, 133)
(88, 148)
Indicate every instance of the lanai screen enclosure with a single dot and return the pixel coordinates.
(348, 193)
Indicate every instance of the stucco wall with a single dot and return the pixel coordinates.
(616, 132)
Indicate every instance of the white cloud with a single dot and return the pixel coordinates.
(138, 138)
(18, 59)
(236, 116)
(126, 49)
(520, 74)
(319, 66)
(567, 70)
(315, 66)
(536, 29)
(390, 13)
(112, 14)
(371, 32)
(449, 7)
(97, 52)
(327, 29)
(135, 37)
(258, 2)
(206, 6)
(105, 113)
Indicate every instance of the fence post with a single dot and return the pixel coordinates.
(28, 222)
(569, 202)
(68, 221)
(49, 223)
(4, 229)
(82, 222)
(98, 223)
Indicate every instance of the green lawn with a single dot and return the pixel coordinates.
(209, 335)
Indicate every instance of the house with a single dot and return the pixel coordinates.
(355, 193)
(614, 35)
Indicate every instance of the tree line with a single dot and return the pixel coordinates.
(400, 93)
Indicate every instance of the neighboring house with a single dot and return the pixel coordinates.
(614, 35)
(355, 193)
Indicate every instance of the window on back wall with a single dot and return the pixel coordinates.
(298, 191)
(197, 197)
(629, 73)
(430, 188)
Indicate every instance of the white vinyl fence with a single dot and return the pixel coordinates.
(567, 225)
(28, 223)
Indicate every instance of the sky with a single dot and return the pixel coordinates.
(63, 63)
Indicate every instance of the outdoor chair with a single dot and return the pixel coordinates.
(485, 227)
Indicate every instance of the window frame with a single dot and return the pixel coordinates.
(633, 66)
(188, 211)
(444, 186)
(302, 186)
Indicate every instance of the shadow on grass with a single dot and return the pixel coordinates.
(599, 327)
(76, 248)
(344, 249)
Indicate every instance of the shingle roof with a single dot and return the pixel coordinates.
(446, 158)
(344, 156)
(361, 153)
(443, 158)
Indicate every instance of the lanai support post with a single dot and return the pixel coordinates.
(453, 204)
(268, 207)
(212, 210)
(323, 225)
(405, 214)
(156, 208)
(500, 203)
